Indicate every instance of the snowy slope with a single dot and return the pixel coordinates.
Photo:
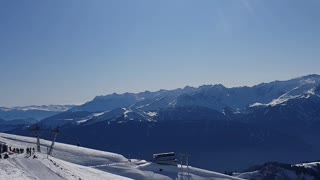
(23, 168)
(72, 162)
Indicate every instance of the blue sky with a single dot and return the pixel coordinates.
(65, 52)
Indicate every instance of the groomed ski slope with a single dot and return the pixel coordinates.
(22, 168)
(73, 162)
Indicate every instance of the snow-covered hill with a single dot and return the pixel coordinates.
(73, 162)
(18, 167)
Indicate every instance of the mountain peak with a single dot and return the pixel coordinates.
(310, 76)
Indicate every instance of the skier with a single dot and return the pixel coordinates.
(6, 156)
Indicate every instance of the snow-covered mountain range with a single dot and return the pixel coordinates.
(215, 97)
(214, 123)
(148, 106)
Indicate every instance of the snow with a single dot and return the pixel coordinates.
(173, 103)
(311, 92)
(73, 162)
(257, 104)
(126, 112)
(99, 114)
(302, 87)
(152, 114)
(9, 170)
(281, 100)
(312, 165)
(286, 97)
(19, 167)
(82, 121)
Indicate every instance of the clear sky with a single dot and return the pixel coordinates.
(68, 51)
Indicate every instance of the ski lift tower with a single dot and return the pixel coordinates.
(184, 160)
(36, 130)
(56, 132)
